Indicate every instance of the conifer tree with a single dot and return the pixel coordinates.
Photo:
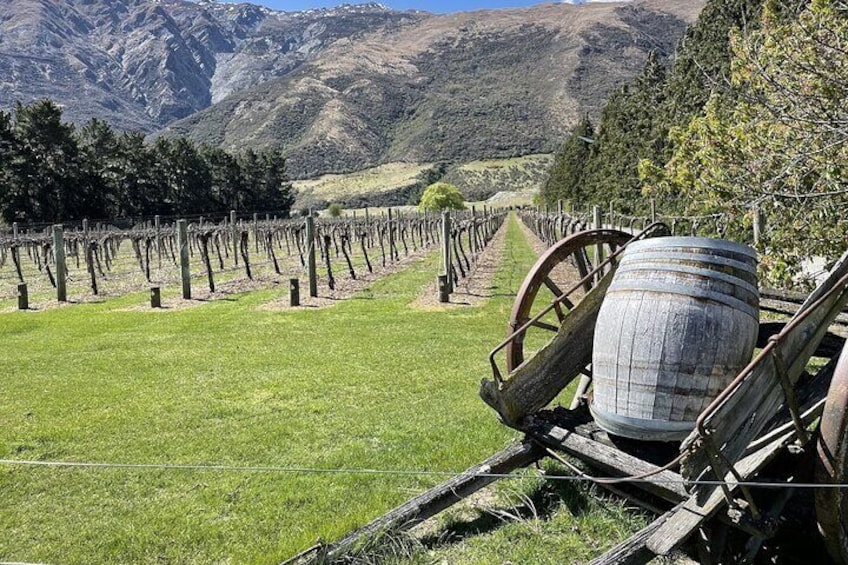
(566, 175)
(627, 133)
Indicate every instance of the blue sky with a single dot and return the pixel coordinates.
(438, 6)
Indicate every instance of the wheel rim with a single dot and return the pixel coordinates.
(832, 463)
(565, 263)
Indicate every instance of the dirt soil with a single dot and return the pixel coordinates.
(345, 287)
(474, 289)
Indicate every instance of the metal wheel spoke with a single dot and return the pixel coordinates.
(545, 326)
(558, 309)
(584, 266)
(575, 252)
(552, 286)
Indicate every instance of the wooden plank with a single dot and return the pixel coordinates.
(692, 514)
(537, 381)
(830, 346)
(668, 485)
(744, 414)
(430, 503)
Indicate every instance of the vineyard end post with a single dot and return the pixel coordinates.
(61, 268)
(185, 271)
(310, 255)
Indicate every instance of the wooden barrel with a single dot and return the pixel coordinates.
(678, 323)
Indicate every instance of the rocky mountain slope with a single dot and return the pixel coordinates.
(460, 86)
(340, 89)
(140, 64)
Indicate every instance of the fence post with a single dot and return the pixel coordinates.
(23, 297)
(446, 249)
(234, 235)
(155, 297)
(310, 255)
(391, 238)
(185, 271)
(474, 229)
(599, 248)
(15, 230)
(157, 224)
(444, 295)
(61, 268)
(294, 292)
(256, 232)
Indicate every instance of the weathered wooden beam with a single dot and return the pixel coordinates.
(430, 503)
(693, 514)
(830, 345)
(668, 485)
(537, 381)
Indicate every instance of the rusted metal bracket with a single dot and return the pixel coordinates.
(721, 467)
(789, 394)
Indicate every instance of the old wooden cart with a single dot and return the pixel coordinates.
(780, 426)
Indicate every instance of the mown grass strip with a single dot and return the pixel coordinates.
(367, 383)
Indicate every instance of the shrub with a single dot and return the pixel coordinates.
(442, 196)
(334, 210)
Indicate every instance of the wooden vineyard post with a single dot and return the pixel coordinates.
(310, 255)
(235, 237)
(157, 225)
(446, 249)
(155, 297)
(444, 295)
(612, 216)
(15, 230)
(59, 259)
(256, 232)
(185, 272)
(294, 292)
(23, 297)
(599, 248)
(473, 227)
(391, 238)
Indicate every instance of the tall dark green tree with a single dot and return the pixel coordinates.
(627, 132)
(227, 180)
(702, 64)
(186, 175)
(276, 192)
(565, 181)
(8, 143)
(46, 166)
(139, 185)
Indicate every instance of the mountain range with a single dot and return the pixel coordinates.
(339, 89)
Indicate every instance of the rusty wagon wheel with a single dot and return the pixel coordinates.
(832, 464)
(559, 269)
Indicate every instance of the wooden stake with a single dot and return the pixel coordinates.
(236, 239)
(59, 258)
(23, 297)
(155, 297)
(294, 292)
(446, 249)
(310, 255)
(185, 271)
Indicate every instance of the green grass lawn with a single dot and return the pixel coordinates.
(367, 383)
